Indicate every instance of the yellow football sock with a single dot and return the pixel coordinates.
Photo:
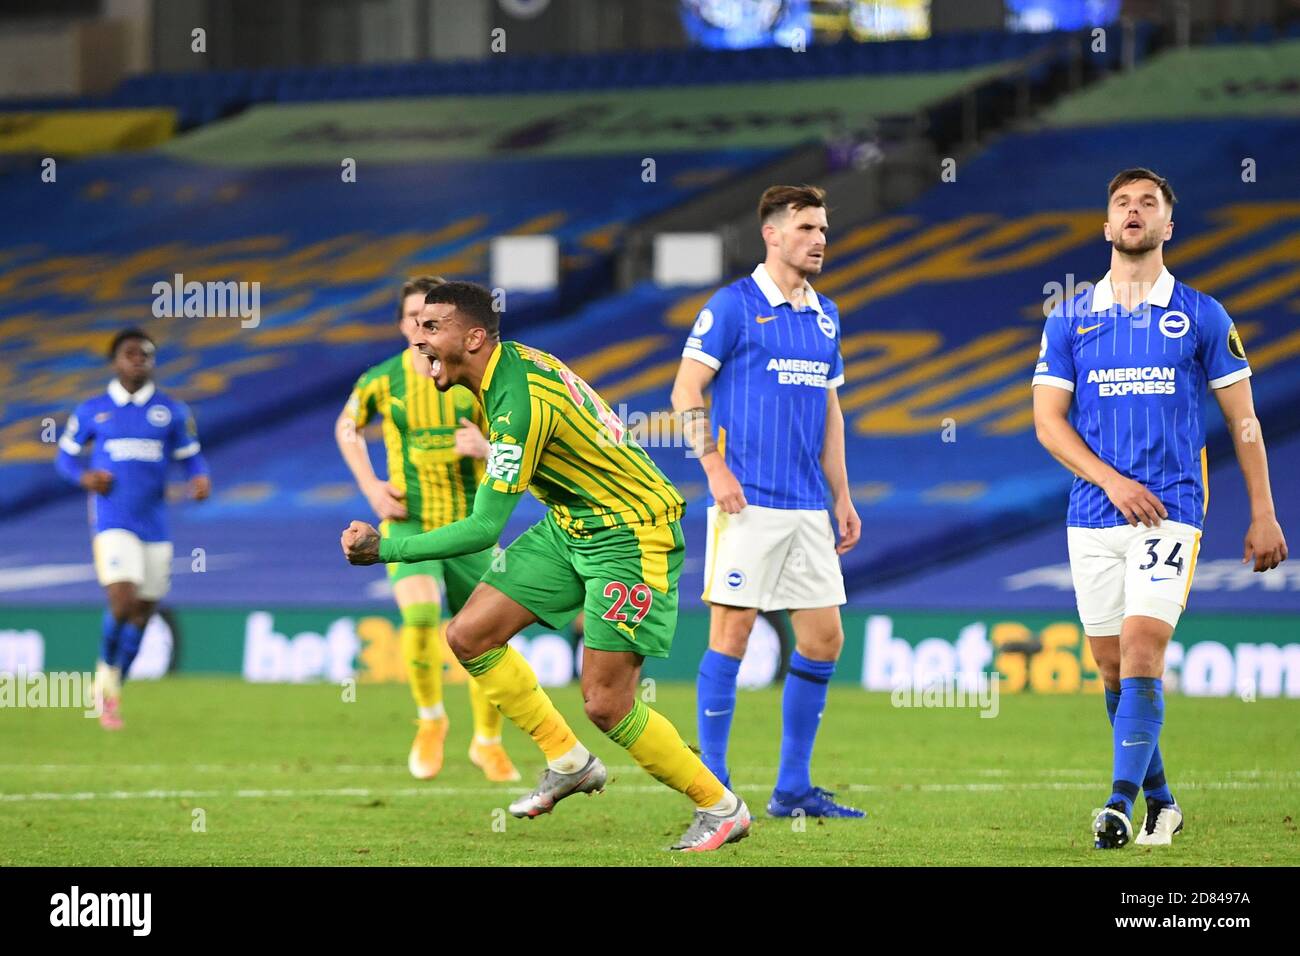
(509, 683)
(656, 745)
(421, 653)
(487, 719)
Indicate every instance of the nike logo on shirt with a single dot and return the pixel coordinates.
(1080, 330)
(761, 319)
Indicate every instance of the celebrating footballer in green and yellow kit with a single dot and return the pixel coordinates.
(610, 546)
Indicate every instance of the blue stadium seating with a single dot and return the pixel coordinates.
(318, 262)
(203, 97)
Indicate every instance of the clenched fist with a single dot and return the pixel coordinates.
(361, 543)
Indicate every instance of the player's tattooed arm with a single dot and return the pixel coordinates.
(698, 431)
(693, 377)
(688, 400)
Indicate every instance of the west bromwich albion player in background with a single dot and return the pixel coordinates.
(136, 432)
(1134, 356)
(774, 346)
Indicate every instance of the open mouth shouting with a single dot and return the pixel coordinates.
(435, 364)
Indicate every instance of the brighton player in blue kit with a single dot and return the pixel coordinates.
(1134, 355)
(136, 432)
(770, 348)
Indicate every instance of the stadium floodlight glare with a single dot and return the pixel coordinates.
(688, 258)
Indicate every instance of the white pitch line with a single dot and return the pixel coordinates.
(290, 768)
(285, 792)
(1054, 785)
(435, 791)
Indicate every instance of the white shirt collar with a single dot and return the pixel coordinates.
(121, 396)
(1162, 290)
(767, 285)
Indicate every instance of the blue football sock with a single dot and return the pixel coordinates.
(128, 646)
(108, 638)
(1112, 701)
(802, 704)
(715, 703)
(1154, 783)
(1138, 718)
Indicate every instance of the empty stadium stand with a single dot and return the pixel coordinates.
(204, 97)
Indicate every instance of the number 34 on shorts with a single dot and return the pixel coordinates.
(1125, 571)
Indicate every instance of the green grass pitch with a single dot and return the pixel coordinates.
(294, 775)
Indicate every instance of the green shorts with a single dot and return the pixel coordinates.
(623, 579)
(459, 575)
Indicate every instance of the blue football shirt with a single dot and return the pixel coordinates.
(774, 363)
(136, 436)
(1139, 381)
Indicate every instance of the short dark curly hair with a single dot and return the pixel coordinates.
(127, 335)
(472, 301)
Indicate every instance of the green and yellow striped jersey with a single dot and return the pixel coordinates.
(551, 433)
(420, 436)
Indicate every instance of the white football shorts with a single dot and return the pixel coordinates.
(121, 556)
(1125, 571)
(772, 559)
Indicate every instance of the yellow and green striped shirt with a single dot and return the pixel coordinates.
(551, 433)
(420, 436)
